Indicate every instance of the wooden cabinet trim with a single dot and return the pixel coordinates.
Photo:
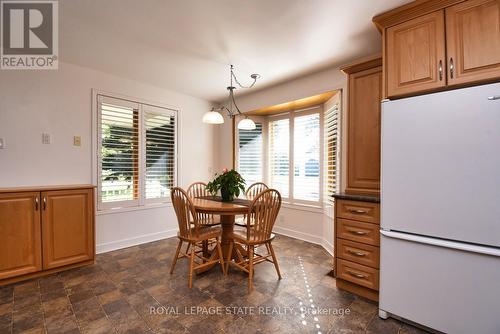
(410, 11)
(46, 188)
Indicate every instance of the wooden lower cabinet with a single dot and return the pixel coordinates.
(66, 233)
(20, 237)
(357, 247)
(43, 230)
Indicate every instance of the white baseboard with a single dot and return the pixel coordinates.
(124, 243)
(305, 237)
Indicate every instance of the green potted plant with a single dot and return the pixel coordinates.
(230, 183)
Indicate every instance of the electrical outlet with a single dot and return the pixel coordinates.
(77, 141)
(2, 143)
(45, 138)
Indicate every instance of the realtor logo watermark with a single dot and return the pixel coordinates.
(29, 35)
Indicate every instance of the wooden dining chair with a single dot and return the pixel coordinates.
(193, 233)
(198, 189)
(262, 214)
(251, 192)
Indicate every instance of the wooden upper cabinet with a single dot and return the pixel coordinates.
(363, 128)
(415, 55)
(473, 41)
(68, 235)
(20, 242)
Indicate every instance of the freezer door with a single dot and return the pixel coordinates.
(441, 165)
(453, 290)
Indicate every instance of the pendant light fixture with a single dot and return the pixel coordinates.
(214, 116)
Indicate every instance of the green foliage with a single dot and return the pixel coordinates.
(230, 183)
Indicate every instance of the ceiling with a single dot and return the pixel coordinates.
(187, 45)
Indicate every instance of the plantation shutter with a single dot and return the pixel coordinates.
(306, 157)
(159, 124)
(118, 150)
(331, 149)
(279, 155)
(250, 154)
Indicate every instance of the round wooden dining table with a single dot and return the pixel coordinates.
(227, 212)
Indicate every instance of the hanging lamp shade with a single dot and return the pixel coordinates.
(213, 117)
(246, 124)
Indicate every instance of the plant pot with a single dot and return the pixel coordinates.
(226, 195)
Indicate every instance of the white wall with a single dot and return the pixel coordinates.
(59, 103)
(316, 227)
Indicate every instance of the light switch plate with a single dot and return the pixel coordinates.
(45, 138)
(77, 141)
(2, 143)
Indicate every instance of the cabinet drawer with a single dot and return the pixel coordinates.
(362, 211)
(357, 252)
(358, 274)
(358, 231)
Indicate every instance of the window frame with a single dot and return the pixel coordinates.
(141, 201)
(264, 122)
(291, 115)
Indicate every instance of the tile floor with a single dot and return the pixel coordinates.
(131, 291)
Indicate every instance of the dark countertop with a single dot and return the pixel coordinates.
(363, 198)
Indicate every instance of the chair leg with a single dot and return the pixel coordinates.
(179, 245)
(275, 261)
(250, 268)
(191, 266)
(221, 257)
(229, 254)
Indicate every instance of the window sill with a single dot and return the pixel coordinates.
(149, 206)
(303, 207)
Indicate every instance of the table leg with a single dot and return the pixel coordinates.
(227, 223)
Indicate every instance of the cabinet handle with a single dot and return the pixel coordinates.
(357, 275)
(358, 232)
(440, 70)
(44, 203)
(452, 68)
(361, 254)
(357, 211)
(36, 203)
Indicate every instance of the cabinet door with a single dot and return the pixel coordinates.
(20, 236)
(363, 132)
(415, 54)
(67, 227)
(473, 41)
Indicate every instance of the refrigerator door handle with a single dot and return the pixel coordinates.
(494, 97)
(442, 243)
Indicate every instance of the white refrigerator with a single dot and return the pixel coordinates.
(440, 210)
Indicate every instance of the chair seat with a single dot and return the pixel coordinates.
(242, 221)
(241, 237)
(204, 233)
